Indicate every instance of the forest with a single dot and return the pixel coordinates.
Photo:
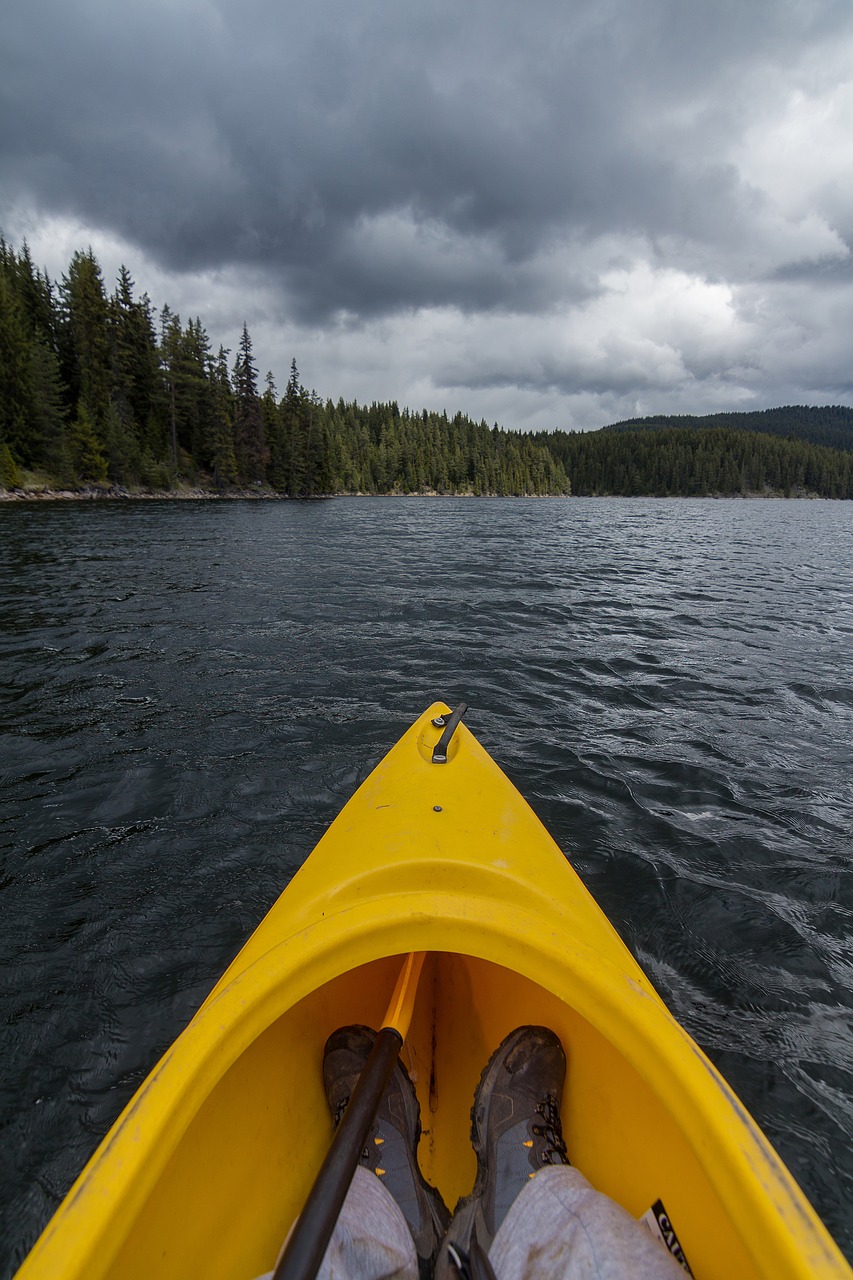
(93, 392)
(831, 425)
(682, 461)
(101, 393)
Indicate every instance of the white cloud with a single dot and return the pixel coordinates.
(801, 155)
(555, 219)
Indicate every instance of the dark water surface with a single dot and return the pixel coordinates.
(190, 691)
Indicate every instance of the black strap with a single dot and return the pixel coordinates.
(451, 724)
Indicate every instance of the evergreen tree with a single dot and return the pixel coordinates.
(36, 296)
(274, 436)
(32, 408)
(10, 476)
(317, 477)
(121, 314)
(120, 448)
(196, 399)
(171, 336)
(85, 318)
(47, 413)
(14, 382)
(249, 445)
(137, 385)
(223, 463)
(294, 434)
(87, 456)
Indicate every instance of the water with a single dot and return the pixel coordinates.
(192, 690)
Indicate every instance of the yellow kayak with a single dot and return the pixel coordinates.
(211, 1161)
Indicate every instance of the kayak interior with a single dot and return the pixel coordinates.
(240, 1173)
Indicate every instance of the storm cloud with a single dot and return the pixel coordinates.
(551, 214)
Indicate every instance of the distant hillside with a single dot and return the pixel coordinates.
(674, 461)
(830, 426)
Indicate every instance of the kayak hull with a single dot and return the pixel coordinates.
(210, 1163)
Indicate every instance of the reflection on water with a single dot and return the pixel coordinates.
(192, 690)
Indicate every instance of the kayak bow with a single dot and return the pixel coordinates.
(211, 1161)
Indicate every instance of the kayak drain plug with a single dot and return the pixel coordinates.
(437, 808)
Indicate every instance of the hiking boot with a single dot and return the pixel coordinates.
(516, 1131)
(392, 1143)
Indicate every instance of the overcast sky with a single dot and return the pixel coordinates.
(549, 213)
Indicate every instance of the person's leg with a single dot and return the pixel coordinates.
(371, 1240)
(391, 1151)
(515, 1130)
(561, 1226)
(534, 1216)
(392, 1220)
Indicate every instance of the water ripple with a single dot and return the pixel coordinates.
(191, 691)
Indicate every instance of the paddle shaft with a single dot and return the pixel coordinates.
(312, 1232)
(310, 1237)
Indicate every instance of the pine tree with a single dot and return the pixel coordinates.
(294, 433)
(87, 456)
(10, 476)
(249, 444)
(47, 412)
(87, 338)
(223, 463)
(14, 379)
(274, 437)
(37, 296)
(137, 384)
(170, 364)
(317, 474)
(196, 401)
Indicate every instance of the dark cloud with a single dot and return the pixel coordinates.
(388, 157)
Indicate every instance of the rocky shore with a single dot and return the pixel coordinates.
(102, 493)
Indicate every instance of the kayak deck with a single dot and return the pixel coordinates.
(211, 1161)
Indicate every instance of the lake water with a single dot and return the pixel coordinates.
(191, 690)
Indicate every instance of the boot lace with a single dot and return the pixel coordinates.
(340, 1109)
(551, 1130)
(339, 1115)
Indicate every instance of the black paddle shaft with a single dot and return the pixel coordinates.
(310, 1237)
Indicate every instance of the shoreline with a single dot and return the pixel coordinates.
(118, 493)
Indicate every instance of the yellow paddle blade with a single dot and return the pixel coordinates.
(399, 1012)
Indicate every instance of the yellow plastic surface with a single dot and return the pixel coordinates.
(207, 1167)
